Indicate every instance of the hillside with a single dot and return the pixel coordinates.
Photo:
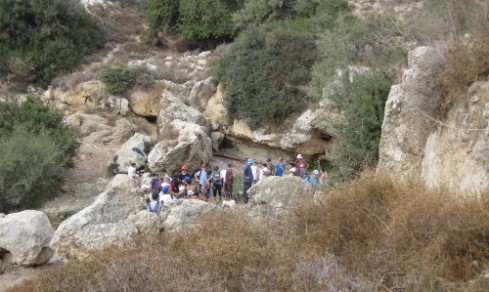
(387, 99)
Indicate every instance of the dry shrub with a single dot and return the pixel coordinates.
(466, 62)
(369, 234)
(401, 234)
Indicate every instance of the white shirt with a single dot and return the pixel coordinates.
(131, 172)
(231, 203)
(223, 175)
(254, 170)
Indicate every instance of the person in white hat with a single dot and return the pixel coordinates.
(314, 179)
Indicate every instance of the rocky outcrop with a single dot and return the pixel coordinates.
(276, 196)
(26, 235)
(173, 108)
(201, 93)
(180, 143)
(117, 215)
(146, 102)
(414, 142)
(215, 111)
(128, 153)
(183, 214)
(87, 95)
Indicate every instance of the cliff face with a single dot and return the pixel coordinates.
(452, 151)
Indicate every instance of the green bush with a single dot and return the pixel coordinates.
(358, 130)
(268, 11)
(35, 146)
(42, 38)
(262, 73)
(372, 42)
(120, 79)
(190, 19)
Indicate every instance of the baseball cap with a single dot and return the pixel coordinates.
(315, 171)
(184, 167)
(230, 164)
(250, 160)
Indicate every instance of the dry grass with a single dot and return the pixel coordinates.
(394, 236)
(466, 63)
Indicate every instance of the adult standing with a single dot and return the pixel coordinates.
(270, 166)
(280, 167)
(216, 181)
(254, 170)
(131, 172)
(183, 174)
(229, 178)
(247, 179)
(201, 177)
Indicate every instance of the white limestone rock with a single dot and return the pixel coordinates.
(26, 235)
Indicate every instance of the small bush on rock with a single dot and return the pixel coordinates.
(118, 80)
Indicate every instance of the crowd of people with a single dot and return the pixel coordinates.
(216, 185)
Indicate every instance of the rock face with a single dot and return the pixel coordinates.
(26, 235)
(173, 108)
(126, 154)
(146, 102)
(180, 143)
(117, 215)
(183, 214)
(452, 152)
(279, 195)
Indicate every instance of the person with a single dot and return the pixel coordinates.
(164, 174)
(146, 192)
(154, 180)
(131, 172)
(293, 171)
(323, 175)
(229, 178)
(302, 172)
(300, 160)
(216, 183)
(280, 167)
(182, 189)
(154, 205)
(157, 187)
(228, 202)
(270, 166)
(254, 170)
(190, 189)
(314, 179)
(184, 174)
(201, 177)
(264, 172)
(247, 179)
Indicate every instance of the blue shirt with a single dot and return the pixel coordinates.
(279, 169)
(202, 175)
(248, 174)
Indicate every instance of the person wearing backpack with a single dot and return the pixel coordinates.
(217, 182)
(201, 177)
(154, 205)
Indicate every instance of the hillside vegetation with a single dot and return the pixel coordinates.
(43, 38)
(35, 147)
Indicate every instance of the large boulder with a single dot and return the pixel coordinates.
(215, 110)
(26, 235)
(277, 196)
(117, 216)
(173, 108)
(102, 130)
(183, 214)
(202, 92)
(128, 153)
(180, 143)
(146, 102)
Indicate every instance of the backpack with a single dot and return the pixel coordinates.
(216, 178)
